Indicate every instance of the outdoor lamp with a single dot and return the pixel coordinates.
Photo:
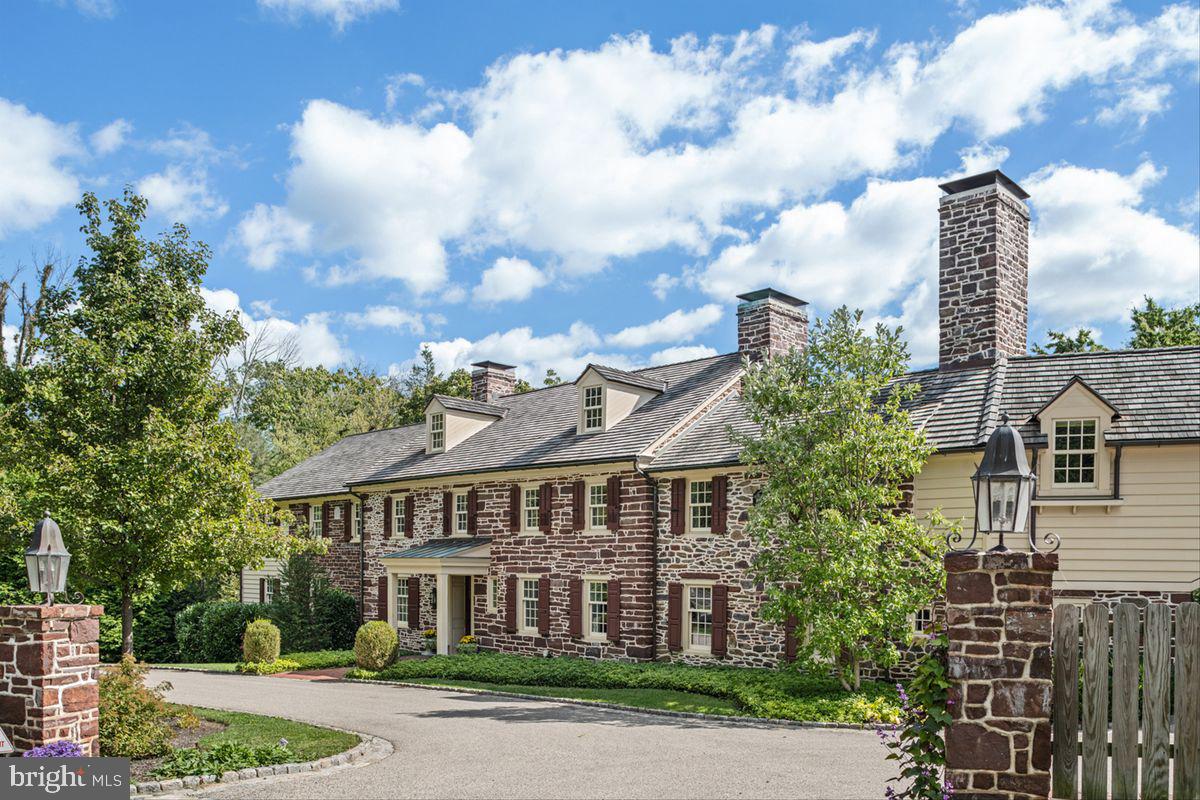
(47, 559)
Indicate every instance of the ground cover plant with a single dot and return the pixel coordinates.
(317, 659)
(266, 667)
(134, 718)
(774, 694)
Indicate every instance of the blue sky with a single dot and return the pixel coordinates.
(518, 182)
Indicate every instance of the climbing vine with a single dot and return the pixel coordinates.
(917, 742)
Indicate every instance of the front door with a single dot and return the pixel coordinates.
(460, 609)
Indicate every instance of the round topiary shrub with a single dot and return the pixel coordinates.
(374, 646)
(260, 642)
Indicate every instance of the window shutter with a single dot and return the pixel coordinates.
(510, 604)
(678, 505)
(410, 510)
(447, 512)
(614, 611)
(387, 517)
(575, 607)
(720, 614)
(720, 506)
(262, 590)
(613, 509)
(789, 638)
(383, 605)
(514, 508)
(544, 606)
(578, 506)
(472, 512)
(544, 497)
(347, 523)
(675, 616)
(414, 602)
(325, 515)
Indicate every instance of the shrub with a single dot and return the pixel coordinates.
(375, 645)
(211, 632)
(221, 757)
(63, 748)
(322, 659)
(154, 638)
(336, 614)
(273, 667)
(260, 642)
(133, 716)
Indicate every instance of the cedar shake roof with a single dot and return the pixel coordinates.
(470, 406)
(638, 379)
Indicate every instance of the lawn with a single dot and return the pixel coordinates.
(308, 742)
(204, 667)
(317, 659)
(641, 698)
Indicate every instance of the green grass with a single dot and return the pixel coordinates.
(642, 698)
(316, 659)
(205, 667)
(308, 742)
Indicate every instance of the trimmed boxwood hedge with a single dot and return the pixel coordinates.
(773, 694)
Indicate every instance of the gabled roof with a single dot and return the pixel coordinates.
(469, 406)
(1076, 381)
(447, 547)
(638, 379)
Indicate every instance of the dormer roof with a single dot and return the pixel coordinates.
(1080, 382)
(637, 379)
(469, 406)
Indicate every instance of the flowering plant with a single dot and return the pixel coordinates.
(63, 748)
(918, 742)
(467, 639)
(429, 633)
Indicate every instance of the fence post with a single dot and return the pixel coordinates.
(999, 609)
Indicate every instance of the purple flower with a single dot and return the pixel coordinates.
(63, 748)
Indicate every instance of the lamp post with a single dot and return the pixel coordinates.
(47, 559)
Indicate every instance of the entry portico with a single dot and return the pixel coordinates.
(452, 562)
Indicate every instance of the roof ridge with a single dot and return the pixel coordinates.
(991, 399)
(1108, 353)
(685, 361)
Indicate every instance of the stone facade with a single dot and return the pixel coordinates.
(490, 380)
(770, 323)
(999, 607)
(983, 276)
(49, 659)
(1111, 598)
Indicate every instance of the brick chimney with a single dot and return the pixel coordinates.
(491, 379)
(770, 323)
(983, 270)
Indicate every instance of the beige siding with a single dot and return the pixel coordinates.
(1151, 541)
(250, 578)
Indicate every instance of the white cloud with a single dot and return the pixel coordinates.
(182, 194)
(111, 137)
(808, 61)
(672, 355)
(316, 343)
(34, 181)
(339, 12)
(981, 158)
(1139, 103)
(100, 9)
(396, 84)
(678, 326)
(190, 144)
(567, 353)
(508, 279)
(662, 285)
(267, 232)
(392, 317)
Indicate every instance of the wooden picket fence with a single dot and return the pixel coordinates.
(1122, 662)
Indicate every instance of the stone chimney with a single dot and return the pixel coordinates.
(491, 379)
(770, 323)
(983, 270)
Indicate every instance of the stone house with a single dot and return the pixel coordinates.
(605, 517)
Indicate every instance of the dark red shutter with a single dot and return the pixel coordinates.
(674, 616)
(387, 517)
(614, 611)
(575, 607)
(383, 604)
(544, 499)
(789, 638)
(613, 510)
(447, 513)
(262, 590)
(347, 526)
(514, 508)
(414, 602)
(678, 504)
(578, 506)
(720, 507)
(472, 512)
(544, 606)
(325, 515)
(410, 511)
(510, 604)
(720, 614)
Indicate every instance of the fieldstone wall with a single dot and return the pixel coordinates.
(49, 658)
(768, 327)
(999, 609)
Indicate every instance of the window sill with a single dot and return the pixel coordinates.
(696, 651)
(699, 534)
(1076, 503)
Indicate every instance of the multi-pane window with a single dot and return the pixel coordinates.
(699, 617)
(493, 594)
(530, 508)
(398, 516)
(593, 408)
(1075, 451)
(597, 505)
(402, 602)
(355, 522)
(923, 621)
(437, 431)
(529, 605)
(461, 517)
(597, 609)
(271, 587)
(316, 521)
(700, 505)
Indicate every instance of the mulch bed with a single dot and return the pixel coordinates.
(183, 738)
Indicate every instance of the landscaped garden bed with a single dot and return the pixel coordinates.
(318, 659)
(772, 694)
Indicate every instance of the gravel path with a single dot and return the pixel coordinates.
(459, 745)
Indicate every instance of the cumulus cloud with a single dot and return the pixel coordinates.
(182, 194)
(391, 317)
(672, 355)
(267, 232)
(678, 326)
(316, 343)
(1139, 103)
(339, 13)
(35, 177)
(567, 353)
(508, 279)
(111, 137)
(662, 285)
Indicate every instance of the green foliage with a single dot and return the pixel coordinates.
(260, 642)
(336, 615)
(322, 659)
(154, 628)
(918, 742)
(134, 720)
(307, 742)
(221, 757)
(271, 667)
(774, 694)
(835, 450)
(1155, 326)
(1082, 342)
(212, 631)
(375, 645)
(310, 613)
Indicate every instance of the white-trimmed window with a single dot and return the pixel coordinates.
(529, 605)
(597, 502)
(595, 609)
(593, 408)
(437, 432)
(401, 602)
(461, 515)
(269, 589)
(493, 594)
(355, 522)
(316, 520)
(1075, 452)
(699, 618)
(700, 495)
(923, 621)
(398, 516)
(531, 506)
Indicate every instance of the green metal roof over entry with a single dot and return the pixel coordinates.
(442, 548)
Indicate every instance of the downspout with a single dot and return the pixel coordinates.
(362, 556)
(653, 558)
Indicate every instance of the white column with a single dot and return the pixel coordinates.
(443, 614)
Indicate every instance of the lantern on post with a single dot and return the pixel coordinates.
(47, 559)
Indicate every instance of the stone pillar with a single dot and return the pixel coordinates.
(999, 609)
(49, 660)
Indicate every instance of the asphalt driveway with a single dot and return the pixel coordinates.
(454, 745)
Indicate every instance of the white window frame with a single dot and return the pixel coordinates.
(523, 584)
(270, 587)
(693, 506)
(316, 520)
(594, 509)
(397, 515)
(589, 633)
(526, 509)
(493, 594)
(688, 645)
(462, 515)
(437, 427)
(401, 582)
(1094, 452)
(596, 391)
(356, 522)
(926, 615)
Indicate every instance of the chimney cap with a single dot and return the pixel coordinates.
(763, 294)
(981, 180)
(493, 365)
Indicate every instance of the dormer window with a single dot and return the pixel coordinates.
(1074, 452)
(607, 396)
(437, 433)
(593, 408)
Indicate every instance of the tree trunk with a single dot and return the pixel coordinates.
(126, 622)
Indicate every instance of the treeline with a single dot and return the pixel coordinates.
(1150, 326)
